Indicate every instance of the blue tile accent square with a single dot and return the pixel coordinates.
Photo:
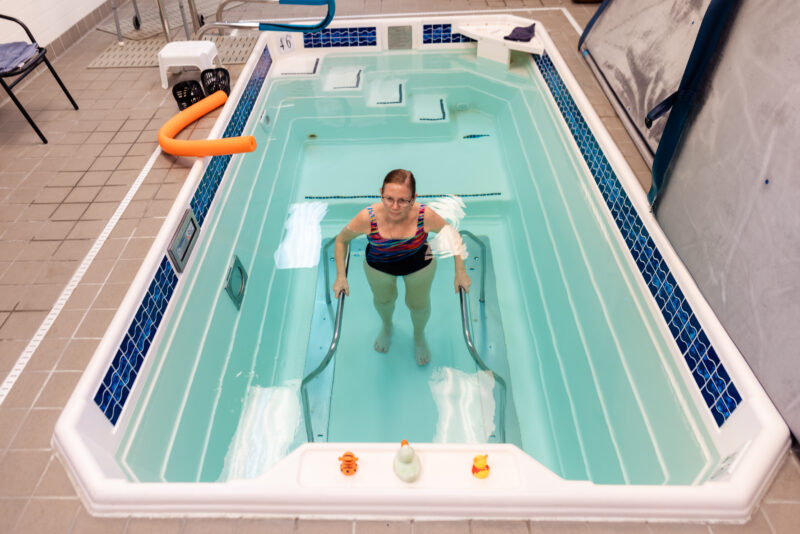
(442, 33)
(714, 383)
(342, 37)
(125, 366)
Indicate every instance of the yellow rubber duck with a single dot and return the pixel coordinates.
(480, 469)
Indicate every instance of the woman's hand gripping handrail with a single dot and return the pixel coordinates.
(465, 323)
(337, 324)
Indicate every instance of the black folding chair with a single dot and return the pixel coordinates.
(21, 71)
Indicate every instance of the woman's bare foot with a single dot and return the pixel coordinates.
(423, 353)
(384, 339)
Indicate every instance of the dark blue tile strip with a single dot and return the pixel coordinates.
(342, 37)
(442, 33)
(716, 387)
(127, 362)
(121, 374)
(207, 188)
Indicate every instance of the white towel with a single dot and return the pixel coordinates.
(267, 427)
(465, 403)
(301, 244)
(448, 241)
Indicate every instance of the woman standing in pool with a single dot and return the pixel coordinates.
(397, 231)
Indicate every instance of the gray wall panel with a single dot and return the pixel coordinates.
(732, 204)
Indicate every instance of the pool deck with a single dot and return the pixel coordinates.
(56, 199)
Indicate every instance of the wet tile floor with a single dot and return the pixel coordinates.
(56, 199)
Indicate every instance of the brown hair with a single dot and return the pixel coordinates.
(401, 176)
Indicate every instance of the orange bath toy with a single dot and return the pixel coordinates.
(349, 465)
(201, 147)
(480, 468)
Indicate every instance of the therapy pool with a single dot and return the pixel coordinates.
(614, 392)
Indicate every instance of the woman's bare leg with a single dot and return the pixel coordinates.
(384, 295)
(418, 300)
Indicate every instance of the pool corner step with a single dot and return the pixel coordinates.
(386, 92)
(429, 108)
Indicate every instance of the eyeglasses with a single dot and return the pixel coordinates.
(402, 202)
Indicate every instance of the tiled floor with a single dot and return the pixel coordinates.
(55, 200)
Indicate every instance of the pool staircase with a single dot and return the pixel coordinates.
(317, 385)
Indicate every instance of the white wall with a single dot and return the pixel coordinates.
(47, 19)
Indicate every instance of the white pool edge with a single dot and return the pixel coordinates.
(522, 494)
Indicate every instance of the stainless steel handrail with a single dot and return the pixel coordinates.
(337, 325)
(483, 259)
(501, 417)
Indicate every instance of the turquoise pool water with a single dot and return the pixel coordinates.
(593, 392)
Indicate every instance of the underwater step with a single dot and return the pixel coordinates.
(429, 108)
(299, 66)
(388, 92)
(349, 78)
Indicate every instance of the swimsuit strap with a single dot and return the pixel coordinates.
(421, 219)
(373, 224)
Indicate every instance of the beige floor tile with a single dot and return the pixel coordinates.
(20, 472)
(69, 212)
(679, 528)
(73, 249)
(85, 523)
(111, 296)
(618, 528)
(138, 525)
(312, 526)
(22, 324)
(383, 527)
(66, 323)
(441, 527)
(82, 296)
(10, 512)
(266, 526)
(95, 324)
(113, 193)
(757, 525)
(53, 230)
(10, 421)
(784, 518)
(46, 354)
(54, 482)
(500, 527)
(36, 430)
(77, 354)
(786, 486)
(87, 229)
(210, 526)
(57, 390)
(100, 211)
(22, 273)
(48, 516)
(552, 527)
(59, 272)
(38, 250)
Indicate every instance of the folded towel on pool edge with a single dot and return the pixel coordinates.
(521, 33)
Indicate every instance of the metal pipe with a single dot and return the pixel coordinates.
(483, 259)
(337, 325)
(194, 16)
(501, 408)
(162, 12)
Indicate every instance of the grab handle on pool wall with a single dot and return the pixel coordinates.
(201, 147)
(501, 404)
(337, 326)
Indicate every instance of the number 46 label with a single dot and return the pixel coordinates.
(285, 43)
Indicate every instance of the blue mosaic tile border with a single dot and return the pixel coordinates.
(207, 188)
(121, 374)
(442, 33)
(716, 387)
(337, 37)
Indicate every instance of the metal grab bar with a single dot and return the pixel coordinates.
(483, 258)
(501, 418)
(337, 325)
(268, 26)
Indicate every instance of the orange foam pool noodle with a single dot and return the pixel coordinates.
(204, 147)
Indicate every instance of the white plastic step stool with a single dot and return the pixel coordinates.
(200, 54)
